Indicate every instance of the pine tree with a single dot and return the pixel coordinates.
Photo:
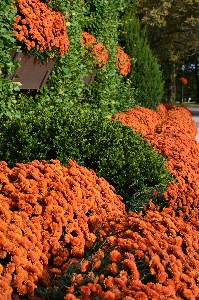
(145, 74)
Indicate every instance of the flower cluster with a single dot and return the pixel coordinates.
(97, 50)
(122, 60)
(49, 212)
(143, 120)
(154, 257)
(183, 80)
(39, 27)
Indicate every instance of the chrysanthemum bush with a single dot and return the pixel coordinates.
(97, 51)
(154, 256)
(40, 28)
(122, 60)
(49, 214)
(100, 54)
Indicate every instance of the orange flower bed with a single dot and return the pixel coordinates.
(122, 60)
(49, 212)
(172, 131)
(39, 27)
(155, 257)
(98, 50)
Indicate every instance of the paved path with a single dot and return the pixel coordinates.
(195, 113)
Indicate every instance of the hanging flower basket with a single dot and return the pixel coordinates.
(41, 34)
(32, 73)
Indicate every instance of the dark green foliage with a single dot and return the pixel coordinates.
(145, 74)
(7, 43)
(127, 162)
(113, 150)
(7, 40)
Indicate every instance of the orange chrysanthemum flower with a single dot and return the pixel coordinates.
(115, 256)
(122, 60)
(39, 27)
(98, 50)
(85, 290)
(43, 222)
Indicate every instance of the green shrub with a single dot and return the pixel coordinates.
(113, 150)
(145, 74)
(124, 159)
(7, 43)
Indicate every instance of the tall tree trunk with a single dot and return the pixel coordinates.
(197, 81)
(172, 83)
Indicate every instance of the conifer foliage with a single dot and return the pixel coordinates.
(145, 74)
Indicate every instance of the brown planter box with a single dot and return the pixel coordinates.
(32, 73)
